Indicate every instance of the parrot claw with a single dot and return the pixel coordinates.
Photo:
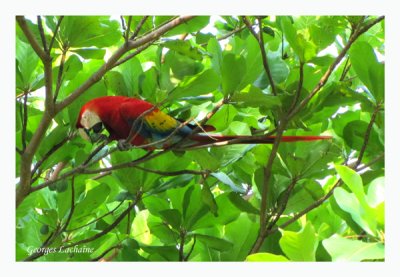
(123, 145)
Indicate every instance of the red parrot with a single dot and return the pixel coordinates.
(117, 114)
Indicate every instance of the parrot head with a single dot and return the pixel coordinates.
(90, 126)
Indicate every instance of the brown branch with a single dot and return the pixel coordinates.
(299, 87)
(265, 187)
(367, 135)
(356, 34)
(71, 212)
(92, 238)
(97, 219)
(49, 153)
(31, 38)
(58, 230)
(51, 109)
(373, 161)
(172, 173)
(108, 228)
(346, 69)
(19, 151)
(191, 248)
(55, 33)
(115, 247)
(118, 54)
(41, 32)
(24, 121)
(260, 39)
(282, 207)
(182, 236)
(319, 201)
(60, 74)
(137, 51)
(82, 169)
(138, 27)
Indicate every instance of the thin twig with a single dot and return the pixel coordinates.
(55, 32)
(356, 34)
(172, 173)
(31, 38)
(191, 248)
(97, 219)
(137, 51)
(41, 32)
(49, 153)
(138, 27)
(260, 39)
(19, 151)
(367, 135)
(118, 246)
(60, 74)
(345, 69)
(71, 211)
(150, 37)
(24, 121)
(182, 236)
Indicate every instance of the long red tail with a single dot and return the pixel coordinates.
(204, 139)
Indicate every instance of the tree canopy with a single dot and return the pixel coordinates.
(244, 75)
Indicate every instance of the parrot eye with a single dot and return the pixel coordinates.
(98, 127)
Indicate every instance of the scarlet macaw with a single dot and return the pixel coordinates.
(117, 114)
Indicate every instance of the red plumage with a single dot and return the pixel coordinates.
(119, 113)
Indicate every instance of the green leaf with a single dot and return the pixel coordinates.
(266, 257)
(354, 133)
(363, 215)
(208, 199)
(221, 176)
(232, 71)
(191, 26)
(181, 65)
(252, 96)
(202, 83)
(342, 249)
(300, 246)
(214, 243)
(115, 83)
(27, 66)
(88, 31)
(173, 217)
(370, 71)
(214, 49)
(94, 197)
(352, 180)
(185, 48)
(242, 233)
(90, 53)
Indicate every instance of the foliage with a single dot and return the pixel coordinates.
(305, 201)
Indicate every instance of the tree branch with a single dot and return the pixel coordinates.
(138, 27)
(367, 135)
(55, 33)
(51, 109)
(24, 121)
(41, 32)
(31, 38)
(356, 34)
(172, 173)
(96, 219)
(118, 54)
(48, 154)
(260, 39)
(60, 74)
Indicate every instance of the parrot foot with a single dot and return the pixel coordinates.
(123, 145)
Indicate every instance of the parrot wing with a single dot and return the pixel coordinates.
(154, 125)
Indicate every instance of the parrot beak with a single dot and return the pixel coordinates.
(89, 135)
